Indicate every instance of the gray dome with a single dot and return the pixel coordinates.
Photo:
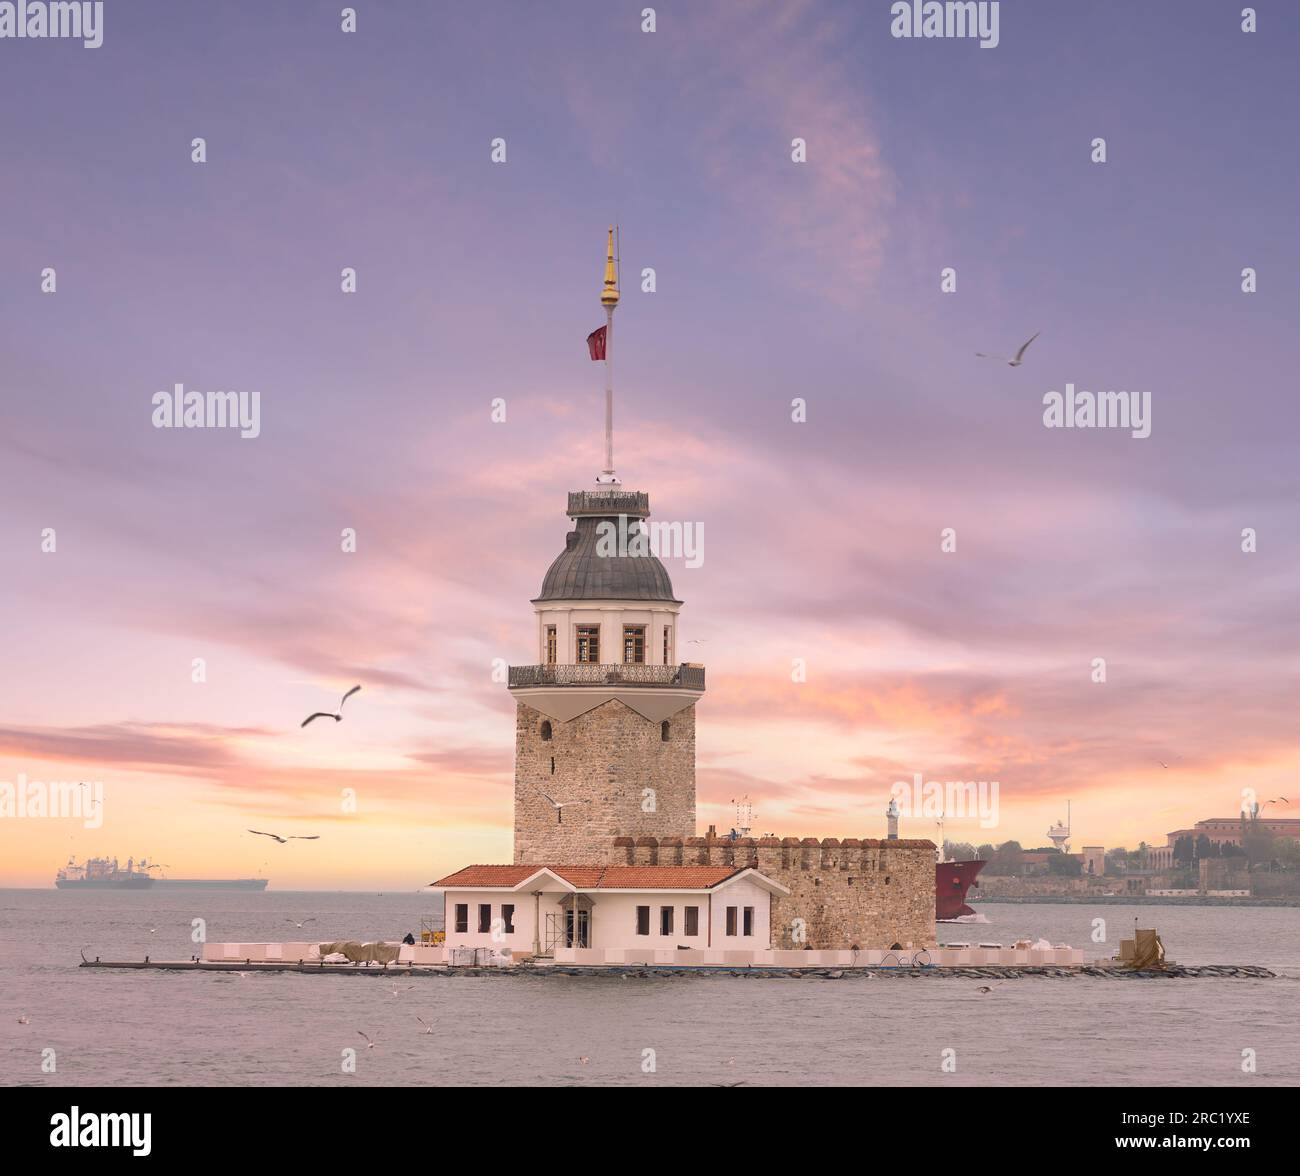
(580, 573)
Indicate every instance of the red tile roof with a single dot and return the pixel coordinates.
(596, 877)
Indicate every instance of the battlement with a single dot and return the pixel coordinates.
(765, 853)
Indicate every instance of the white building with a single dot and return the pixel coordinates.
(533, 909)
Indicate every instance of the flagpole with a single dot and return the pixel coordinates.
(609, 300)
(609, 392)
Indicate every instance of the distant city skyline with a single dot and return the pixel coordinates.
(774, 280)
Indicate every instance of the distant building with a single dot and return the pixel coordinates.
(1221, 831)
(1094, 860)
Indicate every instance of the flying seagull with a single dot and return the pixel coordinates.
(24, 1020)
(427, 1027)
(282, 840)
(337, 716)
(399, 991)
(1276, 799)
(1020, 355)
(300, 925)
(983, 988)
(559, 805)
(369, 1044)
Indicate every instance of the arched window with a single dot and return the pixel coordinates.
(663, 730)
(546, 731)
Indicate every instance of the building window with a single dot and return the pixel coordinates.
(462, 918)
(668, 645)
(546, 731)
(508, 918)
(665, 920)
(589, 643)
(749, 921)
(550, 645)
(663, 730)
(692, 921)
(633, 643)
(731, 920)
(643, 920)
(484, 918)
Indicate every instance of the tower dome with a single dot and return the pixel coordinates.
(592, 566)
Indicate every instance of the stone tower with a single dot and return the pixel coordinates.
(605, 721)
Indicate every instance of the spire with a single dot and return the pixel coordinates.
(609, 292)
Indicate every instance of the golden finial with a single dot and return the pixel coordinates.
(609, 293)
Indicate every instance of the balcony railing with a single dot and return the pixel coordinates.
(687, 677)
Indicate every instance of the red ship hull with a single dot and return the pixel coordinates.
(951, 882)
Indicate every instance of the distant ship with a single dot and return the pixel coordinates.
(951, 882)
(106, 874)
(102, 874)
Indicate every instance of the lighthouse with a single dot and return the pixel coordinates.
(605, 716)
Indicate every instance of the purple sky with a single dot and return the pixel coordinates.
(775, 280)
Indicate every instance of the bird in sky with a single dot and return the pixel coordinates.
(24, 1020)
(427, 1027)
(369, 1044)
(300, 925)
(584, 1059)
(399, 991)
(983, 988)
(1020, 355)
(337, 716)
(282, 840)
(1276, 800)
(559, 805)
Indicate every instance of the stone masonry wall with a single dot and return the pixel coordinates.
(869, 893)
(604, 760)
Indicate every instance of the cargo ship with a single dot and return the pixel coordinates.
(102, 874)
(106, 874)
(951, 882)
(209, 883)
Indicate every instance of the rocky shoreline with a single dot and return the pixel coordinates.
(1134, 900)
(1006, 972)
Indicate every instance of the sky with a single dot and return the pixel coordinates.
(774, 280)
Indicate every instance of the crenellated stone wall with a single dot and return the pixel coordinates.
(599, 766)
(868, 893)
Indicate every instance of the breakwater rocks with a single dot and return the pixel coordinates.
(1102, 971)
(1192, 900)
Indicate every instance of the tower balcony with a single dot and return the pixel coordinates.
(688, 676)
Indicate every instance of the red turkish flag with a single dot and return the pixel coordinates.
(596, 343)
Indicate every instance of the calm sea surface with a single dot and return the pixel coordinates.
(159, 1028)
